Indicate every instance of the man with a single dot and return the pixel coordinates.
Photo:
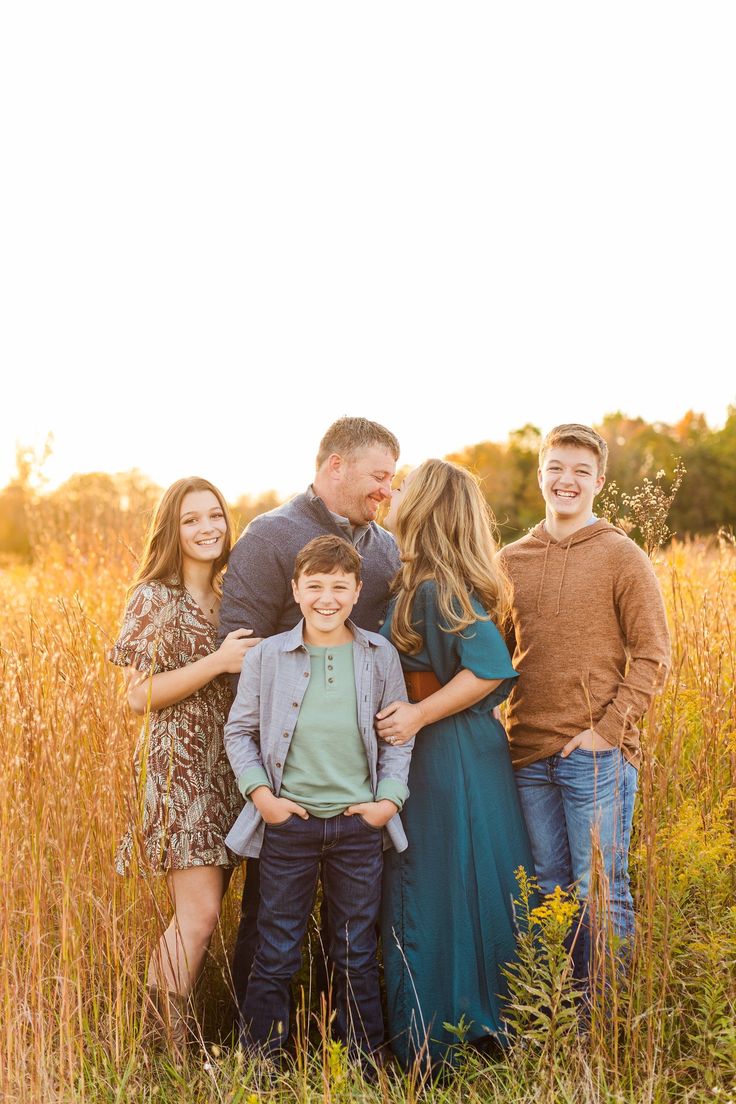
(356, 462)
(591, 646)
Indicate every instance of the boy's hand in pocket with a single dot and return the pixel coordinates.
(275, 810)
(375, 813)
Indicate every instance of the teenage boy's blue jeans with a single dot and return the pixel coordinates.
(571, 805)
(350, 854)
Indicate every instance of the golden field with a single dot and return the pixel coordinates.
(75, 936)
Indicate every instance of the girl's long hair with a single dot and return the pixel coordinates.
(162, 557)
(445, 532)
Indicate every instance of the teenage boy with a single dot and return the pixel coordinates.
(320, 789)
(591, 646)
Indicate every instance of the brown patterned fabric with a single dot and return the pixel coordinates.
(186, 794)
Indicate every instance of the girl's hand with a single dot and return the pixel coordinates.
(231, 652)
(376, 813)
(133, 679)
(399, 721)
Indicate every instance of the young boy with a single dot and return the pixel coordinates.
(321, 789)
(591, 646)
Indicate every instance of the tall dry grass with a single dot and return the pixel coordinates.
(75, 937)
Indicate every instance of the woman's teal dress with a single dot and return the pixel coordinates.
(447, 915)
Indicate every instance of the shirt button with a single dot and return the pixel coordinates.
(329, 666)
(330, 680)
(278, 764)
(285, 735)
(329, 657)
(306, 674)
(295, 705)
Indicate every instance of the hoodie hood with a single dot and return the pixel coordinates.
(600, 525)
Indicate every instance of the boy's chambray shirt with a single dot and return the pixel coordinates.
(261, 724)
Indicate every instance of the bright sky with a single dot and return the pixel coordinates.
(225, 225)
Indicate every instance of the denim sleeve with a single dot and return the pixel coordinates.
(393, 760)
(242, 730)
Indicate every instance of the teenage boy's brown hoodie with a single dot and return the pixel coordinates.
(589, 639)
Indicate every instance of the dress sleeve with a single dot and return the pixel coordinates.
(148, 637)
(479, 648)
(482, 650)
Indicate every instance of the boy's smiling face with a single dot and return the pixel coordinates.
(326, 601)
(569, 481)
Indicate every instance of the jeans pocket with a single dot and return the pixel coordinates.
(281, 823)
(364, 822)
(597, 754)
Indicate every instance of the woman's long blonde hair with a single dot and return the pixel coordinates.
(162, 558)
(445, 531)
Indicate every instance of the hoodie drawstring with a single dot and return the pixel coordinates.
(540, 535)
(562, 576)
(541, 581)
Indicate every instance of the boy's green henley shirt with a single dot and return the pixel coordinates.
(326, 769)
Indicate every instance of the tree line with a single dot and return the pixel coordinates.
(639, 451)
(644, 460)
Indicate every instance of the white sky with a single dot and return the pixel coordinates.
(225, 225)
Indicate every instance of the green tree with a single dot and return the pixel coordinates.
(18, 498)
(249, 506)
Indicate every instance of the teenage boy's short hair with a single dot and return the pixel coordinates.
(325, 555)
(573, 433)
(347, 435)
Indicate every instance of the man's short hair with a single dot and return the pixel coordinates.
(325, 555)
(573, 433)
(347, 435)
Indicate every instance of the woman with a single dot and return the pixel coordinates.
(188, 794)
(447, 916)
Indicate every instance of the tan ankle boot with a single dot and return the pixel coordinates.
(170, 1016)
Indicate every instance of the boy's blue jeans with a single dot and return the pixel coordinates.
(571, 805)
(350, 854)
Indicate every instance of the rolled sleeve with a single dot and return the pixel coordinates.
(391, 789)
(252, 779)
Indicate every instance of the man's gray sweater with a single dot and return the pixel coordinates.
(257, 588)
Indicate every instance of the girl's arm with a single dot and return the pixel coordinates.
(399, 721)
(168, 687)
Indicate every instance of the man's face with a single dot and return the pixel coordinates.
(363, 481)
(569, 481)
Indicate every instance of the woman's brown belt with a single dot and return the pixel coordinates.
(420, 684)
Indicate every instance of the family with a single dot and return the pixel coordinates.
(321, 698)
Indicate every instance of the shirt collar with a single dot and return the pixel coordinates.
(294, 638)
(354, 533)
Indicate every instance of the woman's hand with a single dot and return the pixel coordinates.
(231, 653)
(275, 810)
(376, 813)
(399, 721)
